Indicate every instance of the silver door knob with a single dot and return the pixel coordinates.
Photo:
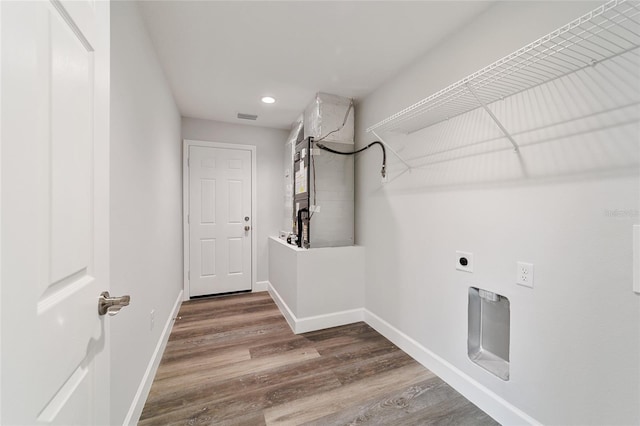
(111, 305)
(247, 227)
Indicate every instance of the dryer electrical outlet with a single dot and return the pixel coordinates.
(464, 261)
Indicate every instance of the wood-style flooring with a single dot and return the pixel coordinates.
(234, 361)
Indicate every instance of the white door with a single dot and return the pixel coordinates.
(219, 220)
(54, 223)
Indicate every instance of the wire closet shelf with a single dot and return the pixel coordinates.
(610, 30)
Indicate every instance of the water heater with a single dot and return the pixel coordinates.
(323, 201)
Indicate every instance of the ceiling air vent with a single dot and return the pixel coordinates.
(247, 116)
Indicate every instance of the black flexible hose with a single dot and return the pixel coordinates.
(384, 153)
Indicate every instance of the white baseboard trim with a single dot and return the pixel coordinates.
(284, 309)
(487, 400)
(260, 286)
(317, 322)
(135, 410)
(334, 319)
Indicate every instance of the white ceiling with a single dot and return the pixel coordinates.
(221, 57)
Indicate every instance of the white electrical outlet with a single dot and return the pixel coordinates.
(464, 261)
(152, 317)
(524, 274)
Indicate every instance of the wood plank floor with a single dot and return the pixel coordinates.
(234, 361)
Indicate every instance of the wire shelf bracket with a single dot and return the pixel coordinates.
(608, 31)
(495, 119)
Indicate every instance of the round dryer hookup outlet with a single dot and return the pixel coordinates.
(464, 261)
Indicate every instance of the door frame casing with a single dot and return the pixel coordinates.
(186, 144)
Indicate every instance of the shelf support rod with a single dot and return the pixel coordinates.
(393, 151)
(516, 148)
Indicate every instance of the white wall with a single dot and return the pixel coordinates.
(575, 337)
(269, 145)
(146, 203)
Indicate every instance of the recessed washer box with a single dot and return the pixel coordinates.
(488, 333)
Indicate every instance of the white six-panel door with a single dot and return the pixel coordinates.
(54, 263)
(219, 218)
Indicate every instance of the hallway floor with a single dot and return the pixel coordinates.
(234, 360)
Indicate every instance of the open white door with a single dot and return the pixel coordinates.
(219, 220)
(54, 223)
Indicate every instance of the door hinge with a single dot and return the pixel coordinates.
(189, 275)
(188, 162)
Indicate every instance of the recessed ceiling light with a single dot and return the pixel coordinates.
(268, 99)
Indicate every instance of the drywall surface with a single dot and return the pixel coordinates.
(566, 204)
(146, 203)
(330, 279)
(269, 145)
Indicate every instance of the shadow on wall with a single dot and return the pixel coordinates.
(585, 125)
(383, 251)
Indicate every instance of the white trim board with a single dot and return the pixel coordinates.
(260, 286)
(135, 410)
(284, 309)
(186, 143)
(317, 322)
